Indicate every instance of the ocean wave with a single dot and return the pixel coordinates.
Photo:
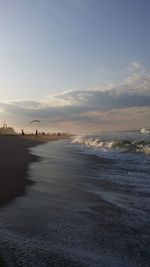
(144, 131)
(95, 142)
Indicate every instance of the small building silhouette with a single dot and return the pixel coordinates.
(6, 130)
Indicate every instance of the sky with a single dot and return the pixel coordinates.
(77, 65)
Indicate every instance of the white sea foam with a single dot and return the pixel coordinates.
(77, 202)
(114, 143)
(144, 149)
(144, 131)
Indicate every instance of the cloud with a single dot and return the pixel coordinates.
(136, 66)
(108, 104)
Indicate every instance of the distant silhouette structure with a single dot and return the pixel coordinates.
(6, 130)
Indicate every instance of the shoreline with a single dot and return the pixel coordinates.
(81, 194)
(15, 158)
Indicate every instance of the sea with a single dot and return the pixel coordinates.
(88, 205)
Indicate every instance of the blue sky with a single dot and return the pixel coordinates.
(51, 46)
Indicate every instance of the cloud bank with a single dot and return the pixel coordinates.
(112, 107)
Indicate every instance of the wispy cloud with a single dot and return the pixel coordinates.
(108, 105)
(136, 66)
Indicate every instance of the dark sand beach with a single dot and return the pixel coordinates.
(80, 210)
(14, 160)
(13, 163)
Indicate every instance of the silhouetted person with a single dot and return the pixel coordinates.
(22, 132)
(36, 133)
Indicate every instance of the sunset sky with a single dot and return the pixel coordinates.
(76, 65)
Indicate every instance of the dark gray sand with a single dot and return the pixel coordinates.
(14, 159)
(81, 210)
(13, 164)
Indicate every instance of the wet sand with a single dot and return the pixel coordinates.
(14, 159)
(81, 211)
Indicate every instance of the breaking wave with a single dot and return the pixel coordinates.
(116, 144)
